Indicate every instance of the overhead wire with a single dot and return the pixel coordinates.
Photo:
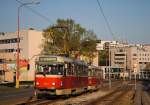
(107, 23)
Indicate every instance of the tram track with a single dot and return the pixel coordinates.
(113, 97)
(142, 94)
(40, 102)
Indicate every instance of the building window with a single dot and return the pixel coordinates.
(119, 62)
(121, 50)
(6, 41)
(134, 54)
(8, 50)
(119, 59)
(119, 54)
(134, 58)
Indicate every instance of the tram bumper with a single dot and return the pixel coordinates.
(51, 91)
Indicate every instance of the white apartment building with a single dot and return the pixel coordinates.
(140, 57)
(30, 41)
(102, 44)
(115, 68)
(119, 56)
(133, 58)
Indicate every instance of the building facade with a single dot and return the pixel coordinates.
(119, 57)
(140, 58)
(133, 58)
(130, 58)
(30, 41)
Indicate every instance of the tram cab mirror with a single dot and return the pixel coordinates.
(28, 66)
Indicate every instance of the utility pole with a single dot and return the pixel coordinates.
(135, 72)
(109, 65)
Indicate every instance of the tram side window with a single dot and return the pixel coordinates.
(75, 69)
(94, 72)
(79, 70)
(69, 69)
(81, 73)
(39, 69)
(89, 72)
(97, 73)
(61, 69)
(84, 70)
(55, 69)
(72, 69)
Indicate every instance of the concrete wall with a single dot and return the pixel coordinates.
(35, 41)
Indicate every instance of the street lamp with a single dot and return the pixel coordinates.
(18, 41)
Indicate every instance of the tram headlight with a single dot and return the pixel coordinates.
(61, 83)
(37, 83)
(53, 83)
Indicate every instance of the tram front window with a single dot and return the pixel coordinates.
(50, 69)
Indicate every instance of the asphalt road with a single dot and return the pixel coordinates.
(11, 96)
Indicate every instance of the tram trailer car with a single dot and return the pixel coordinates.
(57, 75)
(94, 78)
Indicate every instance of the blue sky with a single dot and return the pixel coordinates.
(129, 19)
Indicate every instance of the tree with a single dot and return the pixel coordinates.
(88, 44)
(67, 37)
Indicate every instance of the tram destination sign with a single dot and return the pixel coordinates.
(47, 59)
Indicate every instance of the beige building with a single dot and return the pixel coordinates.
(140, 57)
(133, 58)
(119, 56)
(30, 41)
(130, 58)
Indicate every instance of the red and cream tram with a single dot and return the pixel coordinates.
(57, 75)
(94, 78)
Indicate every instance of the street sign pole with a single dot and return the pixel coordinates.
(135, 72)
(135, 80)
